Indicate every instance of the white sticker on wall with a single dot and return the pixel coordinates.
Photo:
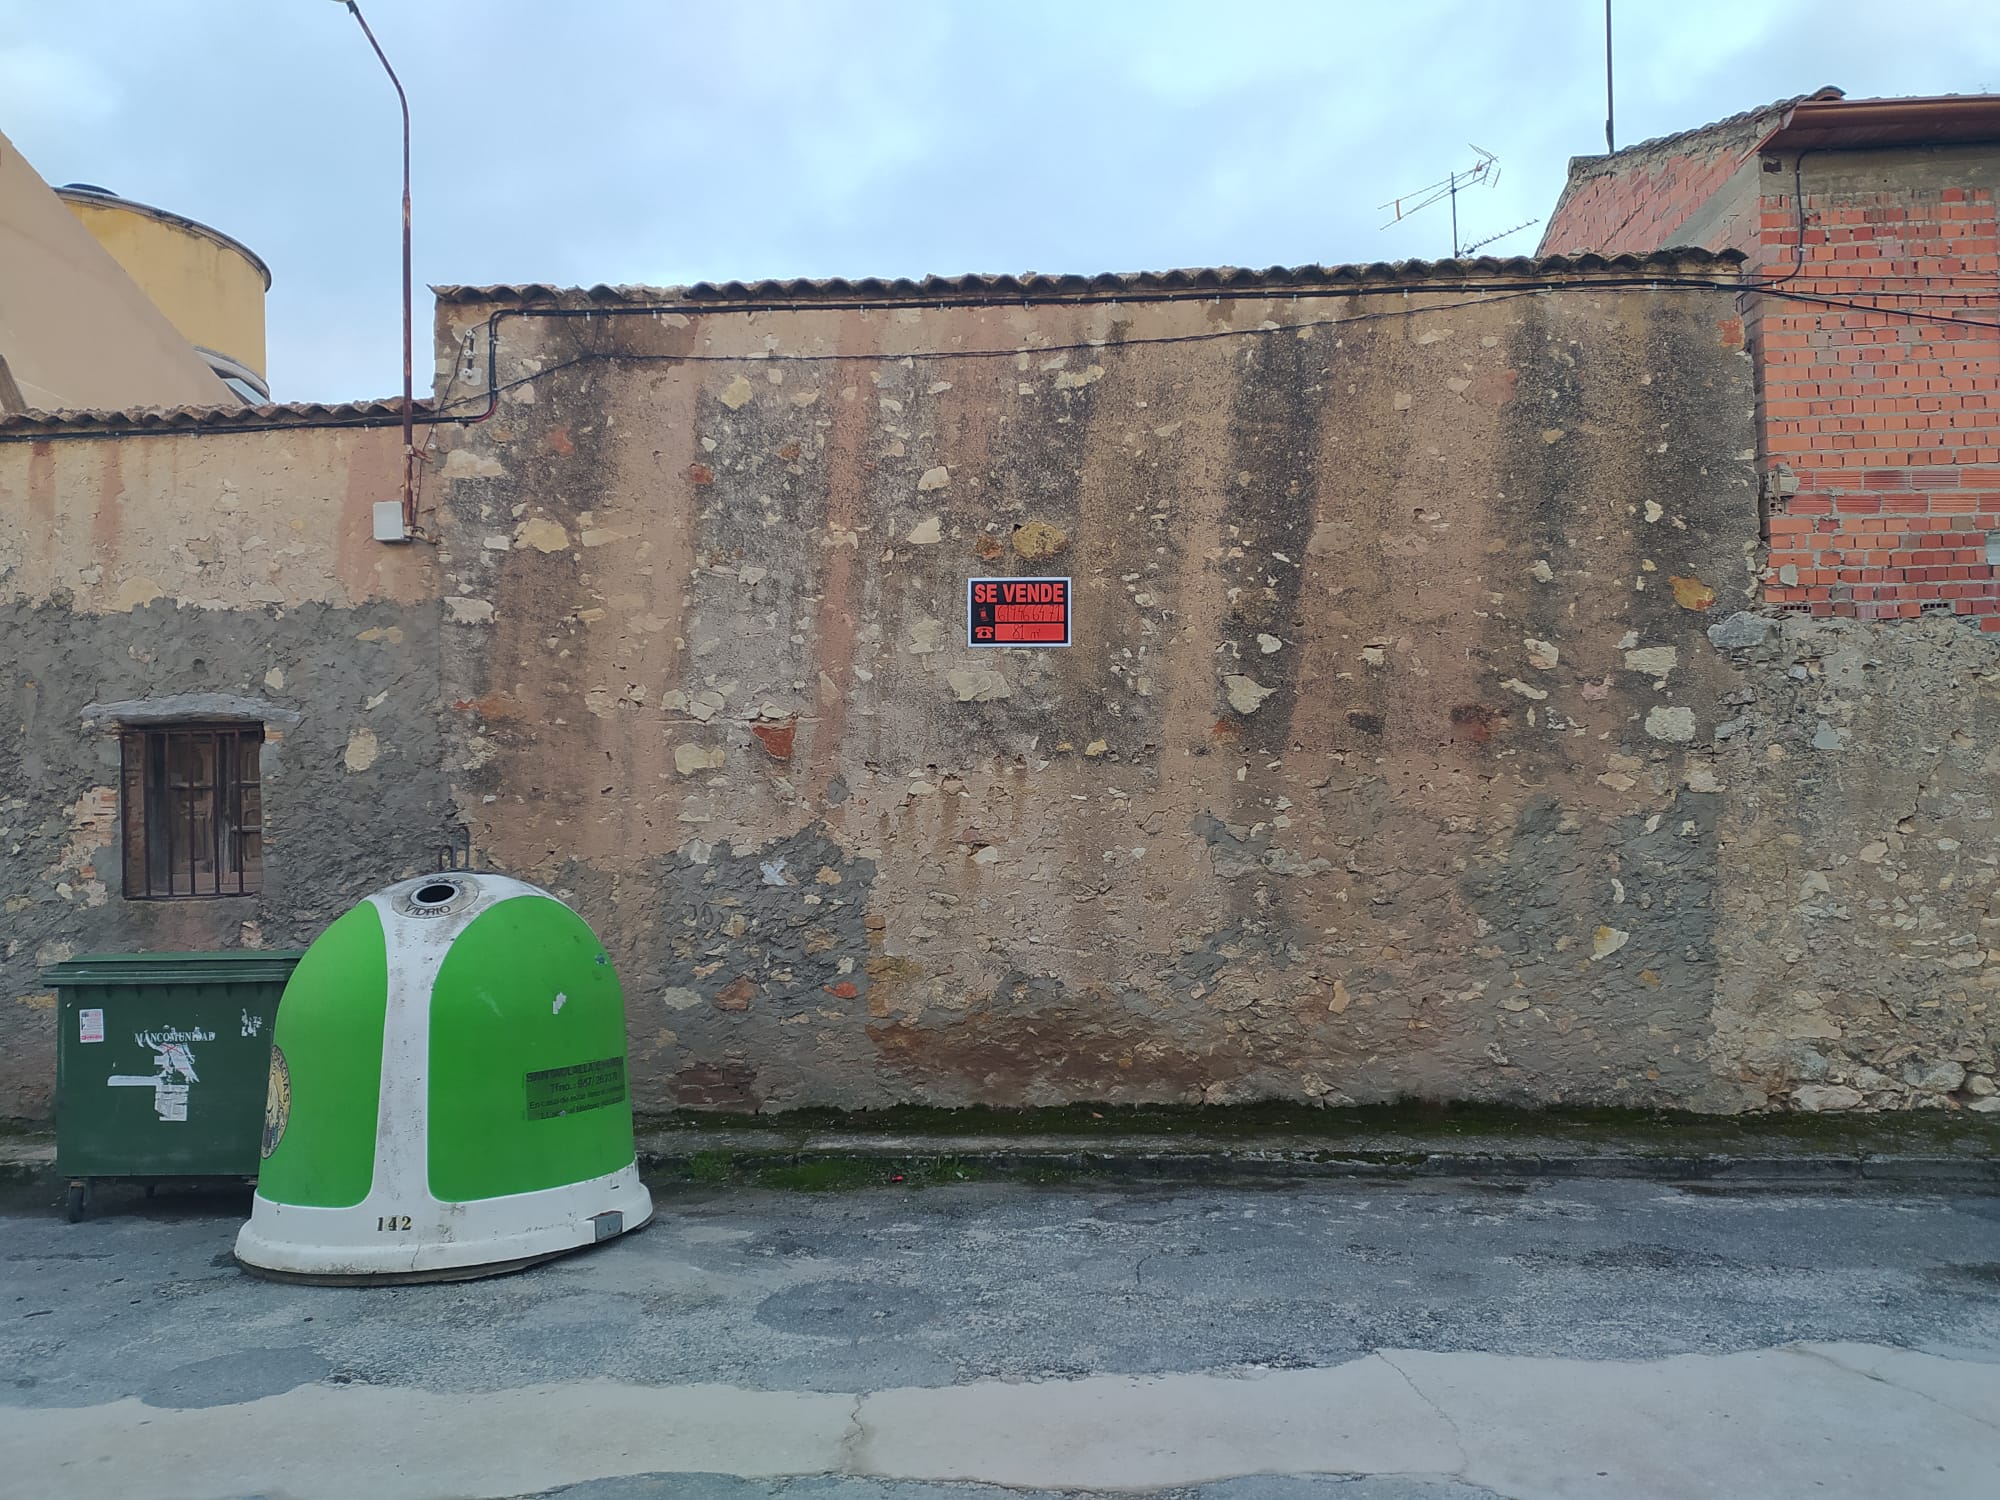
(91, 1025)
(170, 1101)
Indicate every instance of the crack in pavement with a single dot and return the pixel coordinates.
(848, 1450)
(1533, 1421)
(1821, 1354)
(1457, 1436)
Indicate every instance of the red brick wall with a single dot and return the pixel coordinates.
(1882, 428)
(1638, 206)
(1888, 423)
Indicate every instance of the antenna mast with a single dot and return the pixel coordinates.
(1609, 143)
(1486, 170)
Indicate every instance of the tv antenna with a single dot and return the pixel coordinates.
(1477, 244)
(1485, 170)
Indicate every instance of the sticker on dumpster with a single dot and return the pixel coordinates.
(572, 1090)
(173, 1062)
(277, 1101)
(91, 1025)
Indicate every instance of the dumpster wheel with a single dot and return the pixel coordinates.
(77, 1205)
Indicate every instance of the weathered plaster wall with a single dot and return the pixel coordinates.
(1382, 762)
(1859, 927)
(1412, 741)
(229, 563)
(211, 519)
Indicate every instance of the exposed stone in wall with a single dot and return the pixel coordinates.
(744, 954)
(1382, 762)
(334, 833)
(1860, 928)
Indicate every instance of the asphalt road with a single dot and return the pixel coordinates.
(1429, 1341)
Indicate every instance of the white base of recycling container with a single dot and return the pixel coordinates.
(430, 1240)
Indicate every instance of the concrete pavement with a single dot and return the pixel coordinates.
(1428, 1339)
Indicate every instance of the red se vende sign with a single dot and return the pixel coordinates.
(1017, 611)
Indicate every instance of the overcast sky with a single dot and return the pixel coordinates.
(665, 141)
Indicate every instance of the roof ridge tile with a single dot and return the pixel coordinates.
(1004, 286)
(385, 411)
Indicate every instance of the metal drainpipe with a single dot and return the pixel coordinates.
(409, 395)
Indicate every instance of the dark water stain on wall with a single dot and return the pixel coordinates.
(1417, 543)
(1281, 398)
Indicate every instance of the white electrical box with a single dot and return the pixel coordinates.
(389, 521)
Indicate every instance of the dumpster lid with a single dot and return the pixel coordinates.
(236, 966)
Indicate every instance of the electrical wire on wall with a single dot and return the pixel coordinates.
(1487, 294)
(447, 410)
(430, 440)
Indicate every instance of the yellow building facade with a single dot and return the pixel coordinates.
(209, 286)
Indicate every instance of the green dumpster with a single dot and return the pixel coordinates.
(163, 1061)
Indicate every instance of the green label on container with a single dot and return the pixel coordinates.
(571, 1090)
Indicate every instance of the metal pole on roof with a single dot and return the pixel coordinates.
(409, 395)
(1609, 143)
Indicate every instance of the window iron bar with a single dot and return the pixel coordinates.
(194, 784)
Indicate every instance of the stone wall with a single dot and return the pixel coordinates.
(1859, 939)
(1382, 762)
(218, 571)
(1418, 737)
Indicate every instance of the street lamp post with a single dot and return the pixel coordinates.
(409, 397)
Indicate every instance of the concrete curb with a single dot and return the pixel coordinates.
(27, 1158)
(1148, 1159)
(31, 1159)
